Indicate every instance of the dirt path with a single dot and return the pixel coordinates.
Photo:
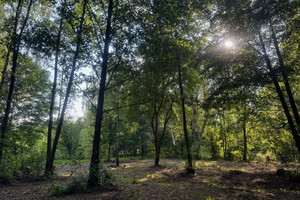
(138, 179)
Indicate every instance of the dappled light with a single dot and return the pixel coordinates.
(135, 99)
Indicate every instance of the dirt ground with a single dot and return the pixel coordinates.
(138, 179)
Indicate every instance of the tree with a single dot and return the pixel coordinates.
(16, 41)
(49, 167)
(53, 92)
(255, 17)
(94, 166)
(28, 112)
(70, 137)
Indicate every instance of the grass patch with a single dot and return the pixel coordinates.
(61, 162)
(200, 164)
(217, 185)
(165, 184)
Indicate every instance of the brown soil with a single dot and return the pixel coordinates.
(138, 179)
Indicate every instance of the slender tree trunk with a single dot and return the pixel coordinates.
(52, 101)
(117, 132)
(285, 79)
(110, 138)
(16, 39)
(245, 141)
(245, 132)
(189, 169)
(3, 73)
(60, 97)
(223, 134)
(194, 123)
(154, 127)
(94, 167)
(157, 155)
(108, 156)
(280, 94)
(156, 141)
(49, 168)
(142, 145)
(212, 145)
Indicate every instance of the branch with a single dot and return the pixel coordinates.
(85, 94)
(167, 118)
(123, 81)
(144, 102)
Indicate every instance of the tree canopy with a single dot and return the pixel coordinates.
(159, 79)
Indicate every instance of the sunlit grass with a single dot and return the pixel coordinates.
(61, 162)
(199, 164)
(156, 175)
(211, 175)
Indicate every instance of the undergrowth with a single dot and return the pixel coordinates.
(26, 167)
(78, 183)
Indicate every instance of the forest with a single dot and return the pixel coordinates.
(149, 99)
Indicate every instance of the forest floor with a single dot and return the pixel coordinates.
(139, 179)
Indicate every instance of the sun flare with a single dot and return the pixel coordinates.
(229, 44)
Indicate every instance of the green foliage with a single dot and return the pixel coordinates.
(70, 138)
(32, 165)
(78, 183)
(7, 169)
(227, 90)
(28, 166)
(73, 186)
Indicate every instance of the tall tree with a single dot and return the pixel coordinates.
(189, 168)
(257, 18)
(49, 169)
(94, 166)
(53, 91)
(280, 93)
(16, 41)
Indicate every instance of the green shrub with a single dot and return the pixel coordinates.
(6, 172)
(105, 178)
(32, 166)
(74, 185)
(23, 167)
(78, 183)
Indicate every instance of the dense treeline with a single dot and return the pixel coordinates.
(174, 79)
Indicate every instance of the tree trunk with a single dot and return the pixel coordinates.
(5, 66)
(52, 101)
(212, 145)
(16, 40)
(285, 79)
(108, 156)
(157, 155)
(142, 146)
(117, 132)
(49, 168)
(189, 168)
(194, 123)
(60, 97)
(280, 94)
(245, 142)
(223, 134)
(245, 133)
(110, 139)
(94, 167)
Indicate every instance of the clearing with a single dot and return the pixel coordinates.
(138, 179)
